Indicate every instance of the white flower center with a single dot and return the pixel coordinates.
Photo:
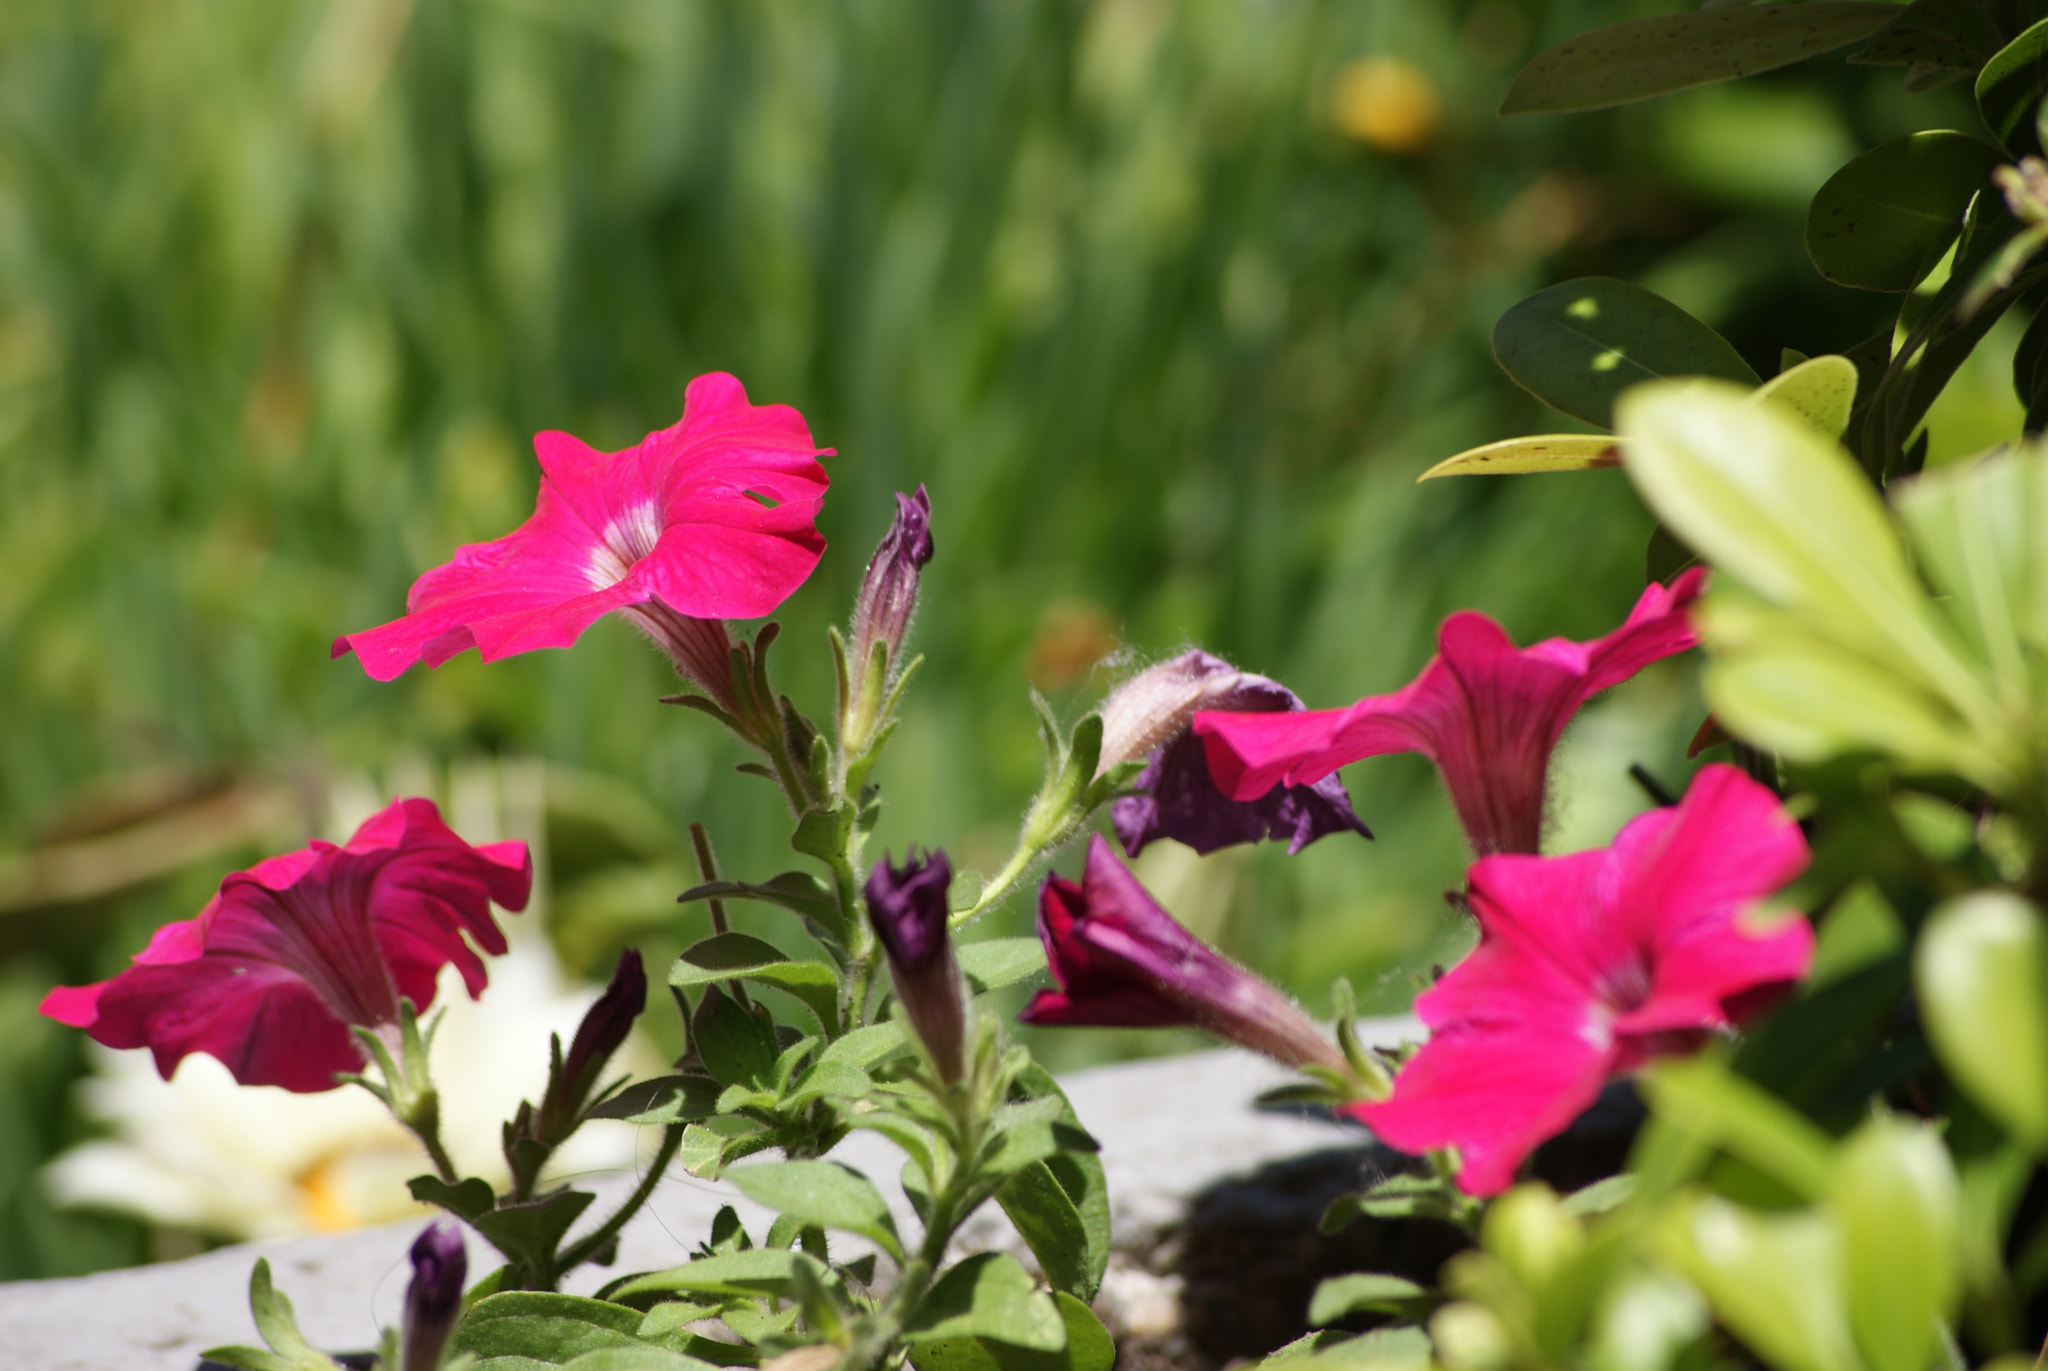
(625, 540)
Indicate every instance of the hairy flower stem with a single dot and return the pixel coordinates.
(593, 1242)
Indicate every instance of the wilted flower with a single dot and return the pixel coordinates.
(1176, 797)
(908, 908)
(1591, 964)
(433, 1300)
(1121, 961)
(705, 521)
(294, 951)
(1487, 713)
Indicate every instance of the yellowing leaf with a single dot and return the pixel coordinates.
(1519, 456)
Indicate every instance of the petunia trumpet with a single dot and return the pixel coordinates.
(1174, 795)
(291, 953)
(1487, 713)
(708, 520)
(1591, 964)
(1120, 961)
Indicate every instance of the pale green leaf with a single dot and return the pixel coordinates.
(823, 1193)
(989, 1296)
(1900, 1209)
(1520, 456)
(1981, 971)
(1775, 1280)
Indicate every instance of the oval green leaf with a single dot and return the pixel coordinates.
(1520, 456)
(1820, 390)
(1982, 974)
(823, 1193)
(990, 1296)
(996, 962)
(2010, 87)
(740, 956)
(1900, 1208)
(1644, 57)
(1579, 344)
(1885, 219)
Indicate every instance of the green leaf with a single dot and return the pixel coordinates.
(1701, 1097)
(1645, 57)
(829, 1078)
(740, 956)
(522, 1329)
(996, 962)
(279, 1327)
(1088, 1348)
(1072, 1247)
(866, 1047)
(1900, 1209)
(824, 1193)
(2010, 87)
(531, 1231)
(1977, 530)
(1775, 1281)
(989, 1296)
(1883, 221)
(1360, 1292)
(1821, 390)
(1578, 345)
(752, 1271)
(1954, 35)
(665, 1099)
(634, 1359)
(1981, 971)
(799, 891)
(465, 1199)
(1383, 1349)
(737, 1043)
(1789, 516)
(1519, 456)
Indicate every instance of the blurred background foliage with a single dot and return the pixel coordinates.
(1166, 303)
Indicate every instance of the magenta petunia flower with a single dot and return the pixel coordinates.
(1487, 713)
(705, 521)
(1121, 961)
(1591, 964)
(296, 949)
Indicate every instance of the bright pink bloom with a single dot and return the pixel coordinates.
(1487, 713)
(706, 521)
(1120, 961)
(1588, 966)
(297, 948)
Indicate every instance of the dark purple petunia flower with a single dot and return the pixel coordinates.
(907, 906)
(1177, 797)
(433, 1301)
(602, 1032)
(1121, 961)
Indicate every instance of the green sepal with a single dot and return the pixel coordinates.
(278, 1327)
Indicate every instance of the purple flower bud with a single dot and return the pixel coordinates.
(1121, 961)
(888, 593)
(604, 1028)
(1177, 798)
(433, 1302)
(907, 906)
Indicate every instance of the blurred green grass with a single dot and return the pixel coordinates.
(286, 286)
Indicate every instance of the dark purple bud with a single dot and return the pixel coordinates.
(604, 1028)
(888, 593)
(433, 1302)
(1120, 961)
(1150, 713)
(907, 906)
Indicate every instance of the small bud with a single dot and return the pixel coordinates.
(1150, 714)
(888, 595)
(433, 1302)
(604, 1028)
(1120, 961)
(907, 906)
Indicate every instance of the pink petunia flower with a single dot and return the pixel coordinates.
(1120, 961)
(296, 949)
(1487, 713)
(1591, 964)
(705, 521)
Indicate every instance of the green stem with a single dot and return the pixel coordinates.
(1002, 883)
(590, 1243)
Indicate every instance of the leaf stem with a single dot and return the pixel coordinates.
(588, 1245)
